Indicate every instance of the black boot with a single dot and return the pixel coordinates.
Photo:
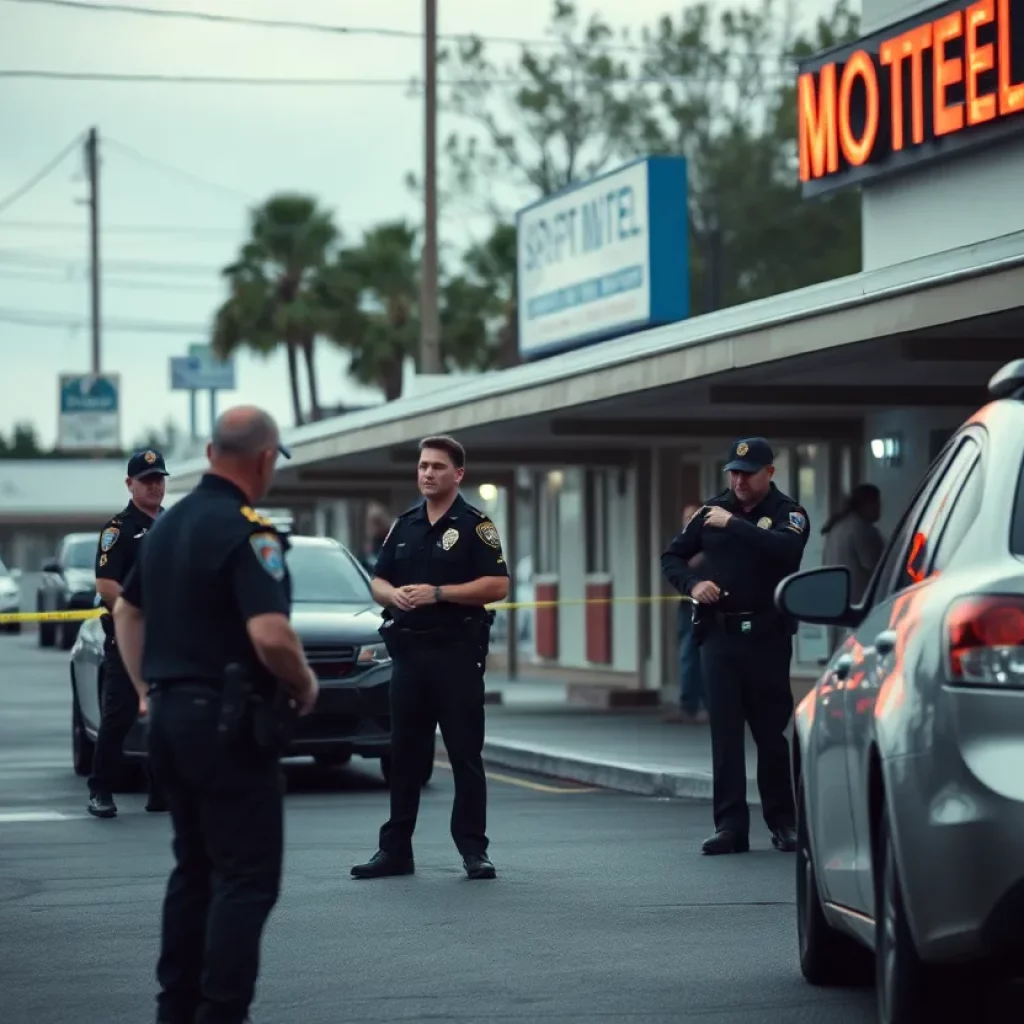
(478, 865)
(784, 839)
(383, 865)
(726, 841)
(101, 805)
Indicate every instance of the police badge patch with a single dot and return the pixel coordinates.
(109, 537)
(267, 548)
(798, 521)
(488, 533)
(449, 539)
(764, 522)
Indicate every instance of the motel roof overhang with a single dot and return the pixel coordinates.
(806, 365)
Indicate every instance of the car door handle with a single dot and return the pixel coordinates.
(885, 642)
(843, 666)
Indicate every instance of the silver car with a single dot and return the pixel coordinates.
(909, 752)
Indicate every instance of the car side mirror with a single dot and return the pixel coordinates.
(51, 565)
(818, 595)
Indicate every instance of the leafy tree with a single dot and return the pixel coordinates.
(24, 444)
(714, 83)
(277, 293)
(165, 440)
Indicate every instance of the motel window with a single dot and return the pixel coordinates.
(597, 514)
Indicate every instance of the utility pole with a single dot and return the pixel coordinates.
(430, 326)
(92, 162)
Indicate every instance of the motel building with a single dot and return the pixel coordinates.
(624, 407)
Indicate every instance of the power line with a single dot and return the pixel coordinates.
(301, 26)
(359, 83)
(39, 318)
(17, 194)
(26, 258)
(174, 171)
(110, 282)
(189, 231)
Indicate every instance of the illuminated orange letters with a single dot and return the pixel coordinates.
(826, 107)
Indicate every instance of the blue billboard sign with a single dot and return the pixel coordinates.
(604, 258)
(200, 370)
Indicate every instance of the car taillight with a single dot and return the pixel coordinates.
(986, 641)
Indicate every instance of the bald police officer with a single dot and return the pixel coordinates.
(116, 552)
(751, 536)
(203, 622)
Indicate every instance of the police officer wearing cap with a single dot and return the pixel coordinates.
(751, 537)
(203, 625)
(116, 553)
(437, 569)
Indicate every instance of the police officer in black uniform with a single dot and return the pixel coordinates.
(751, 536)
(438, 567)
(223, 667)
(116, 553)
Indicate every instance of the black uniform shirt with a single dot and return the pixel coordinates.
(748, 558)
(210, 563)
(462, 546)
(119, 540)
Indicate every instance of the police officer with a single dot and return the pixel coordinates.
(438, 567)
(212, 590)
(116, 553)
(751, 536)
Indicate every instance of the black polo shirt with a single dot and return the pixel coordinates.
(210, 563)
(462, 546)
(748, 558)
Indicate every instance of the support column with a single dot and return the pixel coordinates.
(598, 619)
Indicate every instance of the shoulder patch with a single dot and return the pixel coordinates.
(488, 533)
(798, 520)
(108, 538)
(269, 553)
(254, 517)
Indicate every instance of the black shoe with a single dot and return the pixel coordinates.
(725, 841)
(101, 805)
(383, 865)
(478, 865)
(156, 804)
(784, 839)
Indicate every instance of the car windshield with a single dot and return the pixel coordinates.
(325, 575)
(80, 554)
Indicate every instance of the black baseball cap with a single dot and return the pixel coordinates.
(147, 462)
(750, 455)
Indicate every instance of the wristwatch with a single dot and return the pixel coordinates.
(437, 595)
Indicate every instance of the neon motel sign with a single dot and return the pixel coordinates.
(949, 80)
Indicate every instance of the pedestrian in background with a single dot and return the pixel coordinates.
(852, 539)
(116, 554)
(752, 536)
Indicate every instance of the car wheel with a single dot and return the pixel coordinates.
(82, 747)
(46, 629)
(907, 988)
(827, 957)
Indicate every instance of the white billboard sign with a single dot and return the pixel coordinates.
(89, 416)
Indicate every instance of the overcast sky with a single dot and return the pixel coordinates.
(350, 146)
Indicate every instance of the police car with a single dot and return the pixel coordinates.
(909, 752)
(336, 619)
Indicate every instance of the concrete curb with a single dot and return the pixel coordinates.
(642, 780)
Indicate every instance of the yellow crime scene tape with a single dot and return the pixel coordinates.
(95, 613)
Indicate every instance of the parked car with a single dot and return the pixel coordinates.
(908, 755)
(334, 614)
(10, 596)
(67, 583)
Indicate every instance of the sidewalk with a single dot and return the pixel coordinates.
(636, 751)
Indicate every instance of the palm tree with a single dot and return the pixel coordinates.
(278, 295)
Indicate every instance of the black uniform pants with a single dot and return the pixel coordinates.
(747, 682)
(227, 808)
(431, 687)
(118, 713)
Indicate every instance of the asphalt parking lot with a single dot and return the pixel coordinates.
(602, 911)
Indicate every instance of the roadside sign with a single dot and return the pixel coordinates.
(89, 417)
(200, 370)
